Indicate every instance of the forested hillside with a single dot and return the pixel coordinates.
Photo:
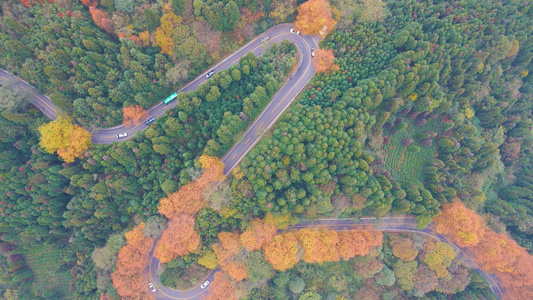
(418, 108)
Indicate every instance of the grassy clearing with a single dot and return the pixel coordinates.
(404, 165)
(45, 261)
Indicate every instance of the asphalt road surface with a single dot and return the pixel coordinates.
(279, 103)
(385, 224)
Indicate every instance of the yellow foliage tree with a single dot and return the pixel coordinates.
(319, 245)
(315, 18)
(209, 260)
(169, 21)
(438, 256)
(68, 140)
(164, 42)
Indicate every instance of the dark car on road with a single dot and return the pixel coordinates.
(149, 121)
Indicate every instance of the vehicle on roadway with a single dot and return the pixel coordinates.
(266, 38)
(121, 135)
(170, 98)
(205, 284)
(312, 52)
(149, 121)
(209, 74)
(295, 32)
(151, 287)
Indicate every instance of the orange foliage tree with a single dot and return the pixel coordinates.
(102, 20)
(89, 3)
(222, 288)
(358, 242)
(319, 245)
(257, 235)
(133, 115)
(132, 259)
(403, 248)
(189, 198)
(463, 225)
(282, 251)
(315, 18)
(323, 61)
(226, 250)
(496, 252)
(178, 239)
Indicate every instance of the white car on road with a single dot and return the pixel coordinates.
(205, 284)
(121, 135)
(151, 287)
(209, 74)
(295, 32)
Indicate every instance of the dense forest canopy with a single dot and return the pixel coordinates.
(418, 108)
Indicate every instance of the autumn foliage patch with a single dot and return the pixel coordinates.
(132, 259)
(494, 252)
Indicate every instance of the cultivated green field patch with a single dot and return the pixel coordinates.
(45, 262)
(405, 165)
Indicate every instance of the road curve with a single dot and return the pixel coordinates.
(386, 224)
(268, 116)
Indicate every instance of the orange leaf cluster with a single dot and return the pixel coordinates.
(496, 253)
(102, 20)
(248, 17)
(178, 239)
(222, 288)
(132, 259)
(323, 61)
(318, 246)
(282, 251)
(314, 18)
(189, 198)
(463, 225)
(358, 242)
(89, 3)
(133, 115)
(226, 250)
(404, 249)
(236, 270)
(257, 235)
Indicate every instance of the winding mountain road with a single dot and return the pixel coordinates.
(279, 103)
(385, 224)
